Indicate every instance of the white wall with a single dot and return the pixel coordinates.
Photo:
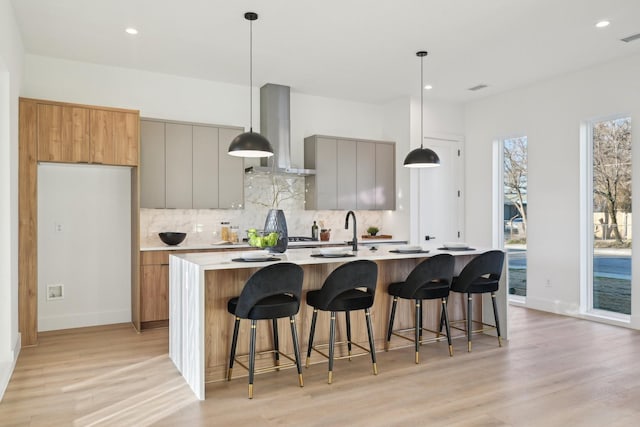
(11, 56)
(549, 114)
(84, 224)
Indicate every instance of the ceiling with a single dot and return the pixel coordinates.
(359, 50)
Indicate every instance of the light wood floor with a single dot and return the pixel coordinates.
(554, 371)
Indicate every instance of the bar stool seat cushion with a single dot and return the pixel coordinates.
(434, 290)
(479, 286)
(271, 307)
(350, 300)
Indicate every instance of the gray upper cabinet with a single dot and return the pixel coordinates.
(152, 156)
(179, 164)
(205, 174)
(346, 160)
(186, 166)
(350, 174)
(366, 175)
(385, 176)
(231, 172)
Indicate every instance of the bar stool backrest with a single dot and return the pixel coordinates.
(487, 265)
(437, 270)
(352, 275)
(275, 279)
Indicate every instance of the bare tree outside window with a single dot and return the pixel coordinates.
(612, 175)
(515, 176)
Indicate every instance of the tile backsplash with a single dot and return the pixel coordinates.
(261, 192)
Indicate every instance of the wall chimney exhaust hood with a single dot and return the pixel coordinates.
(275, 125)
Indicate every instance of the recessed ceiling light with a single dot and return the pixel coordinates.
(602, 24)
(131, 31)
(428, 87)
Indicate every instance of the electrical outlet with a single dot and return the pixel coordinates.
(57, 227)
(547, 283)
(55, 292)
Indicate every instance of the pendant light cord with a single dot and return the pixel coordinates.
(250, 76)
(421, 101)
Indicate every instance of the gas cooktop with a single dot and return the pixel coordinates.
(301, 239)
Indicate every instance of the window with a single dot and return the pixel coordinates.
(514, 212)
(609, 221)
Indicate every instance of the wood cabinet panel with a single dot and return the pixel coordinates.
(63, 133)
(231, 172)
(205, 172)
(385, 194)
(154, 293)
(114, 137)
(179, 164)
(152, 164)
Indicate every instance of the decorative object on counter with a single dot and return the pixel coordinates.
(250, 144)
(314, 231)
(373, 231)
(421, 157)
(172, 238)
(325, 234)
(377, 236)
(277, 223)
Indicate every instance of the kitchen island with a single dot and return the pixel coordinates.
(201, 284)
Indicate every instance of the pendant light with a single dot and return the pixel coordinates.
(421, 157)
(250, 144)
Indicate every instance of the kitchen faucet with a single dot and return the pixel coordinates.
(355, 233)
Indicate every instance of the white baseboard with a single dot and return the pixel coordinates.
(6, 368)
(54, 323)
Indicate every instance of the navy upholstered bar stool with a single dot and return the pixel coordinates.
(349, 287)
(271, 293)
(431, 279)
(480, 275)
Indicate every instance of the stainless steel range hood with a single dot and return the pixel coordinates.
(275, 125)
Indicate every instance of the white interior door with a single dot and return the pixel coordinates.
(440, 206)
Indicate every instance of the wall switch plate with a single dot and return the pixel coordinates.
(55, 292)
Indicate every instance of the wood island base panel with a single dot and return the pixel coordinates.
(200, 327)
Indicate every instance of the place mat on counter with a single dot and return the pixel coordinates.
(256, 260)
(395, 251)
(332, 256)
(456, 249)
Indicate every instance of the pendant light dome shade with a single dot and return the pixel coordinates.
(250, 144)
(421, 157)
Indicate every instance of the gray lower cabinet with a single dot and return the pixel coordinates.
(350, 174)
(186, 166)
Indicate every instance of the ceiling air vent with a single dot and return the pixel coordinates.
(631, 38)
(478, 87)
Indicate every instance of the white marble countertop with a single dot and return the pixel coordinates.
(157, 245)
(302, 256)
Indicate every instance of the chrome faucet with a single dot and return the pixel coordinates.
(355, 232)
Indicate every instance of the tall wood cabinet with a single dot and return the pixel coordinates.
(186, 166)
(350, 174)
(51, 131)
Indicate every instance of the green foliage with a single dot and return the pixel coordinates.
(373, 230)
(258, 241)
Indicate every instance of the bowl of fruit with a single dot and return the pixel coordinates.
(262, 239)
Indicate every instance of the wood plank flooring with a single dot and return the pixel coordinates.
(554, 371)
